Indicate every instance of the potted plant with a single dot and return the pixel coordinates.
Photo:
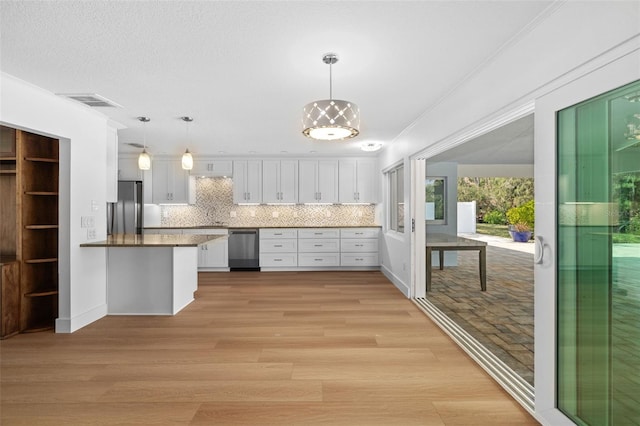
(521, 220)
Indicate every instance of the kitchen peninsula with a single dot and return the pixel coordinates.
(151, 274)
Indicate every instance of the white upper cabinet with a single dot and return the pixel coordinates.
(247, 181)
(357, 180)
(172, 184)
(318, 181)
(212, 168)
(279, 181)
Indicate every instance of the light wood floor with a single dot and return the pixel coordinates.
(256, 349)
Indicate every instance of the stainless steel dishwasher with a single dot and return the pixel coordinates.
(244, 250)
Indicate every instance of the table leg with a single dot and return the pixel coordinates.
(441, 259)
(483, 268)
(428, 268)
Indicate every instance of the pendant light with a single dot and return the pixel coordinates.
(144, 160)
(331, 119)
(187, 158)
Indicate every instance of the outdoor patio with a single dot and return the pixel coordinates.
(502, 317)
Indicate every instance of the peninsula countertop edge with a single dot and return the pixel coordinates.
(153, 240)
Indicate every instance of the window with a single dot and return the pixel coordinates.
(395, 179)
(435, 195)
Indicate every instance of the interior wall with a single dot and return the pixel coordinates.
(83, 135)
(542, 57)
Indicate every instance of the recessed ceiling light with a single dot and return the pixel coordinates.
(371, 146)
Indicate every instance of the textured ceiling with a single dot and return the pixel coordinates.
(245, 69)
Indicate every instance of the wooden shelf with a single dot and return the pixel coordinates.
(41, 193)
(7, 172)
(41, 227)
(48, 260)
(42, 293)
(42, 159)
(11, 159)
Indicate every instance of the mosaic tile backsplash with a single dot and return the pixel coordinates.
(214, 206)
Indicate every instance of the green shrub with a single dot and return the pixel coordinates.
(524, 214)
(495, 217)
(634, 224)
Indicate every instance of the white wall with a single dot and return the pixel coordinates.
(542, 57)
(83, 147)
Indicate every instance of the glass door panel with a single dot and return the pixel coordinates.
(598, 261)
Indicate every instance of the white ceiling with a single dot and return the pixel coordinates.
(244, 69)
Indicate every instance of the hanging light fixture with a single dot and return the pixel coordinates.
(331, 119)
(144, 161)
(187, 158)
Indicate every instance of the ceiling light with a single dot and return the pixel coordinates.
(371, 146)
(330, 119)
(144, 161)
(187, 158)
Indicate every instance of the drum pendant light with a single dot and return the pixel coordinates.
(331, 119)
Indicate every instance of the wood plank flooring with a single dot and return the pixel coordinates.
(334, 348)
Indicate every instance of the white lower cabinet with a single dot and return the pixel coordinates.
(213, 255)
(319, 248)
(359, 247)
(278, 248)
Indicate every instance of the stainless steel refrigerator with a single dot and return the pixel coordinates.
(126, 216)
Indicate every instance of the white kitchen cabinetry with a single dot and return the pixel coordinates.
(359, 247)
(278, 248)
(213, 255)
(128, 170)
(212, 168)
(172, 184)
(318, 181)
(247, 182)
(357, 180)
(280, 181)
(318, 247)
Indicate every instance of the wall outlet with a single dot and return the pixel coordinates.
(233, 213)
(327, 214)
(295, 214)
(165, 213)
(91, 234)
(94, 205)
(275, 214)
(359, 214)
(252, 213)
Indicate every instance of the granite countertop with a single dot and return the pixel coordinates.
(137, 240)
(262, 227)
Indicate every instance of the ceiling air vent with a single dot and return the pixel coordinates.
(91, 99)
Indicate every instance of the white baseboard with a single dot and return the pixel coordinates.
(401, 285)
(69, 325)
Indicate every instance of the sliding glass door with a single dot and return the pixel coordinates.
(598, 270)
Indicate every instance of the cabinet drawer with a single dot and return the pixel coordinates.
(319, 245)
(359, 246)
(319, 233)
(278, 233)
(281, 259)
(359, 232)
(359, 259)
(319, 259)
(278, 246)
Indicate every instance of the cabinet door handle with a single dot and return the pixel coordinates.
(317, 260)
(277, 245)
(318, 245)
(277, 260)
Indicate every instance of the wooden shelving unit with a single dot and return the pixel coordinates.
(29, 224)
(38, 166)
